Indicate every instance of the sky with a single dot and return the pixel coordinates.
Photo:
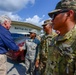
(31, 11)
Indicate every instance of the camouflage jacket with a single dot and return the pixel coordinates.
(43, 49)
(62, 55)
(31, 46)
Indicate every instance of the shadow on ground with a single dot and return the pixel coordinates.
(18, 66)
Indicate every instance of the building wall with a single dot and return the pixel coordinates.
(22, 28)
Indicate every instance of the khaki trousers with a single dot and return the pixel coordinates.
(3, 61)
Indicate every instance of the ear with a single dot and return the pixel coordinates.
(5, 22)
(70, 13)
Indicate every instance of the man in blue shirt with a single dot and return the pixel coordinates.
(6, 42)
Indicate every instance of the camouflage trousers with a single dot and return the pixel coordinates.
(42, 68)
(29, 65)
(42, 72)
(3, 61)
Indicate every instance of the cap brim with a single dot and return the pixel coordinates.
(46, 24)
(54, 12)
(33, 32)
(30, 32)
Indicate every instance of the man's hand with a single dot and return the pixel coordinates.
(20, 48)
(37, 63)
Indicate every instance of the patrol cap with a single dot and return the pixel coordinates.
(33, 31)
(47, 22)
(64, 5)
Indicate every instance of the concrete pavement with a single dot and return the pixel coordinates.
(15, 68)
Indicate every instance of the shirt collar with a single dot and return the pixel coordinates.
(67, 35)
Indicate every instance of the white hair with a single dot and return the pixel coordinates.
(4, 18)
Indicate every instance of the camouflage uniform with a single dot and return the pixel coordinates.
(42, 54)
(31, 47)
(62, 55)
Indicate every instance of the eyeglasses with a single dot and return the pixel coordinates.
(57, 13)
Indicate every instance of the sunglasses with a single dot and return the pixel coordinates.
(57, 13)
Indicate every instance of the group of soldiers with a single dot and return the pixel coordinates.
(57, 53)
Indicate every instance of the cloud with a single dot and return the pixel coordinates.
(14, 17)
(9, 7)
(14, 5)
(35, 20)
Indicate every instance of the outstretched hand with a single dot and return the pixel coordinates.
(20, 48)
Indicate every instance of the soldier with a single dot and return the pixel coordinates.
(32, 49)
(62, 53)
(44, 46)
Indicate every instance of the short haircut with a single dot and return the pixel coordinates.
(4, 18)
